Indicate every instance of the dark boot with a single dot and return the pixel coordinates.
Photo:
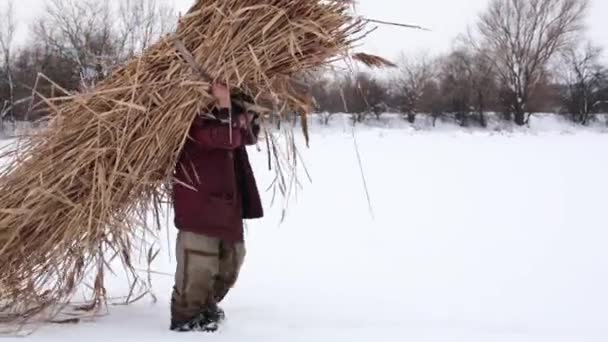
(213, 316)
(208, 320)
(184, 326)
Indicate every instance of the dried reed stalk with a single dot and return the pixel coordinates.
(76, 196)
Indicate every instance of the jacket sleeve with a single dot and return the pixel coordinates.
(215, 135)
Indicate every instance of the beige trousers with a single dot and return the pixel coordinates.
(207, 268)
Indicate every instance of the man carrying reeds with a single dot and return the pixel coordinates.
(214, 190)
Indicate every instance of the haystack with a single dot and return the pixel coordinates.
(76, 195)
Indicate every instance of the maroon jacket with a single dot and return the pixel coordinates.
(214, 187)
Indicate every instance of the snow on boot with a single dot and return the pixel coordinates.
(207, 321)
(185, 326)
(212, 317)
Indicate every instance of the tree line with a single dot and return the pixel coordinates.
(73, 43)
(520, 57)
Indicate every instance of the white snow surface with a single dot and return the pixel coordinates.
(475, 236)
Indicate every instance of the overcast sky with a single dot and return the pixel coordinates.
(446, 18)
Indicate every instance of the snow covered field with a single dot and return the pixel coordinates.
(476, 236)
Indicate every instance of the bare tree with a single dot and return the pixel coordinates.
(520, 37)
(142, 22)
(82, 31)
(325, 91)
(582, 76)
(483, 85)
(372, 93)
(34, 58)
(352, 93)
(414, 75)
(468, 85)
(8, 28)
(99, 36)
(602, 106)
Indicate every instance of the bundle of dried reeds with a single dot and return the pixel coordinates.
(76, 195)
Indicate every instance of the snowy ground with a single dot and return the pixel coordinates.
(476, 236)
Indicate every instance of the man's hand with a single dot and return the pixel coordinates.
(221, 94)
